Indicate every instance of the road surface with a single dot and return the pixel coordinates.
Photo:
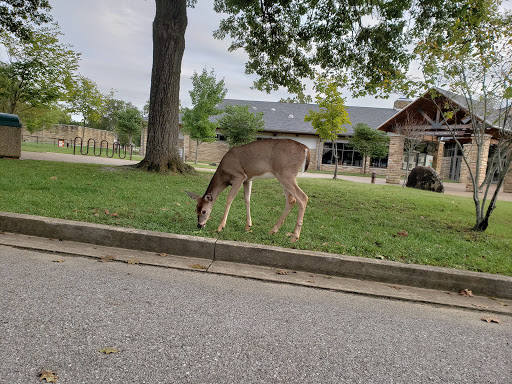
(170, 326)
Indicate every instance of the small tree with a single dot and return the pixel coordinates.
(476, 64)
(414, 134)
(239, 125)
(129, 121)
(369, 142)
(206, 94)
(331, 115)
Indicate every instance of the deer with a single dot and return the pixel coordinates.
(283, 159)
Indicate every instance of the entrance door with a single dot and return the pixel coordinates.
(455, 164)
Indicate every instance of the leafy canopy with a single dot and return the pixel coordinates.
(239, 125)
(369, 42)
(18, 16)
(37, 72)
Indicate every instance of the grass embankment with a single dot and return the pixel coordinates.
(46, 147)
(367, 220)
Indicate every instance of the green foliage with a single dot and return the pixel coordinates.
(129, 122)
(239, 125)
(38, 72)
(369, 42)
(369, 142)
(86, 99)
(206, 94)
(17, 17)
(40, 118)
(331, 116)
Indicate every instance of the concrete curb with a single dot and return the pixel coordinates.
(315, 262)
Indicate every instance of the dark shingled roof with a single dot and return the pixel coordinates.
(289, 117)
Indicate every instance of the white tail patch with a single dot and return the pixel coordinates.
(304, 162)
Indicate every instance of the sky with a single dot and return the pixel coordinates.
(114, 38)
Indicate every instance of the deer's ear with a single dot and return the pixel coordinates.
(208, 198)
(193, 196)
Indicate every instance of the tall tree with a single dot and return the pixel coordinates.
(86, 99)
(369, 142)
(331, 116)
(288, 41)
(475, 63)
(206, 94)
(37, 72)
(169, 25)
(239, 125)
(17, 17)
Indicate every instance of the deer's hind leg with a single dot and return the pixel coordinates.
(290, 202)
(295, 195)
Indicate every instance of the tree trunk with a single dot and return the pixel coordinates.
(162, 148)
(197, 150)
(335, 161)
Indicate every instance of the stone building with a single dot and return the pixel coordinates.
(439, 148)
(286, 120)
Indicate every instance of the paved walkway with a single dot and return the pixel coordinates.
(456, 189)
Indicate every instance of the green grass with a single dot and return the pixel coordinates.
(46, 147)
(342, 217)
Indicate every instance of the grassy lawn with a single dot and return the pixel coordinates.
(357, 219)
(46, 147)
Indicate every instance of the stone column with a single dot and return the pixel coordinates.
(471, 151)
(396, 154)
(438, 157)
(507, 183)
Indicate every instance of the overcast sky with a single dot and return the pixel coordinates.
(114, 38)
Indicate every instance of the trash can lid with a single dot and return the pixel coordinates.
(6, 119)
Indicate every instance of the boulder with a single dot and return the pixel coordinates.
(425, 178)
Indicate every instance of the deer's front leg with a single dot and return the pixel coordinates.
(247, 198)
(235, 187)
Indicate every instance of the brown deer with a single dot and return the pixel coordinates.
(279, 158)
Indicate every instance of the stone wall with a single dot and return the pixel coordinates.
(445, 168)
(471, 151)
(396, 154)
(208, 152)
(68, 133)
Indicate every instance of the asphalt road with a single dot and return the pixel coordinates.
(173, 326)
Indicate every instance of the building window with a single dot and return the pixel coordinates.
(220, 137)
(346, 155)
(379, 162)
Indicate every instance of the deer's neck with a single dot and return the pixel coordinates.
(218, 183)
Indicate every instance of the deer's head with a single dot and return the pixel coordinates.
(203, 208)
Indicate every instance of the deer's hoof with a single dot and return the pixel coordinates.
(273, 231)
(220, 228)
(294, 239)
(248, 228)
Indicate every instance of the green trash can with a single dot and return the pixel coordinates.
(10, 136)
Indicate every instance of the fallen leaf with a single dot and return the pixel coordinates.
(109, 350)
(281, 272)
(178, 204)
(114, 215)
(325, 243)
(162, 254)
(132, 261)
(310, 281)
(53, 178)
(48, 376)
(480, 306)
(327, 277)
(58, 260)
(466, 292)
(395, 286)
(491, 320)
(380, 257)
(164, 209)
(198, 266)
(107, 258)
(402, 234)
